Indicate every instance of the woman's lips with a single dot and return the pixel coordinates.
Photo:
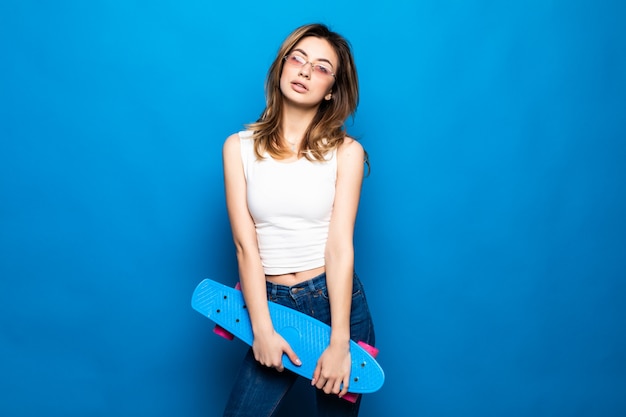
(299, 87)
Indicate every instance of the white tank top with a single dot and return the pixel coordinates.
(291, 204)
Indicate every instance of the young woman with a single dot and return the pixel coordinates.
(293, 182)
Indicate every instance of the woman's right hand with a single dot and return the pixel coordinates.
(268, 350)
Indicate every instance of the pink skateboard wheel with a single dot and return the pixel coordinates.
(351, 397)
(220, 331)
(369, 349)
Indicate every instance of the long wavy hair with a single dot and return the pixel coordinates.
(327, 129)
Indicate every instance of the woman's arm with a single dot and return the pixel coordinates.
(333, 368)
(268, 346)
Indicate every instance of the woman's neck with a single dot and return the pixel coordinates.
(295, 123)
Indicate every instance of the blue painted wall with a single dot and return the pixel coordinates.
(491, 236)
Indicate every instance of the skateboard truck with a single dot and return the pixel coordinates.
(219, 330)
(350, 396)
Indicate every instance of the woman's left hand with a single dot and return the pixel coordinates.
(332, 373)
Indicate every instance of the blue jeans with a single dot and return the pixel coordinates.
(258, 390)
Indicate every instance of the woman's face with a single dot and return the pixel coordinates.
(307, 85)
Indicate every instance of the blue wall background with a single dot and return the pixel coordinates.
(491, 236)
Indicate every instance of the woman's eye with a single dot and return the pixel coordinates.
(322, 69)
(296, 59)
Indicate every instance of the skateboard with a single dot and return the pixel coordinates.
(307, 336)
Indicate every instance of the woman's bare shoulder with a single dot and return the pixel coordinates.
(232, 138)
(350, 148)
(232, 146)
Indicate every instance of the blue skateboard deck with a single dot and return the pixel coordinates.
(307, 336)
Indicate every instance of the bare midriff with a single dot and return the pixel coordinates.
(295, 277)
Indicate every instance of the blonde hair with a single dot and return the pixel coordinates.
(327, 129)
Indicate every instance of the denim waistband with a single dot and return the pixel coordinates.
(314, 284)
